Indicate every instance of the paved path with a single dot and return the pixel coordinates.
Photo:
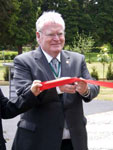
(100, 131)
(100, 124)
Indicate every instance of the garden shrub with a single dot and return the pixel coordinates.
(109, 74)
(8, 55)
(6, 74)
(94, 73)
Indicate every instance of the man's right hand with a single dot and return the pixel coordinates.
(35, 87)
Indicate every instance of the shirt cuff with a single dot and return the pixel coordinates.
(87, 93)
(58, 90)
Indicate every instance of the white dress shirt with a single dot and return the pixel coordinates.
(66, 133)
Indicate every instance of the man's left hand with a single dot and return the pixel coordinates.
(81, 87)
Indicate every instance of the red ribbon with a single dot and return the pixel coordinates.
(61, 81)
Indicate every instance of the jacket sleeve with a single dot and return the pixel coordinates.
(22, 74)
(14, 107)
(94, 89)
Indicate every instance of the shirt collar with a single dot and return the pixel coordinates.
(49, 58)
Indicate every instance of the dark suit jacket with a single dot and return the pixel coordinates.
(41, 128)
(9, 109)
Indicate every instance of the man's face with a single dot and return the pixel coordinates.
(51, 38)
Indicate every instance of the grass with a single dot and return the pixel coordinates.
(92, 57)
(3, 83)
(2, 70)
(99, 68)
(105, 94)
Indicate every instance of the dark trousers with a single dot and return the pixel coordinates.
(66, 145)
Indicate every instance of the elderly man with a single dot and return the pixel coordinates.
(57, 121)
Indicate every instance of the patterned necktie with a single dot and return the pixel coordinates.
(54, 63)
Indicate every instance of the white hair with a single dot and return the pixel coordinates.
(50, 16)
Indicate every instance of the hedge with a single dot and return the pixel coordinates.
(8, 55)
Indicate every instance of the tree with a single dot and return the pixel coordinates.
(18, 25)
(23, 29)
(18, 17)
(101, 12)
(83, 43)
(103, 57)
(5, 19)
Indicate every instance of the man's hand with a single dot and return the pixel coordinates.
(35, 87)
(68, 88)
(81, 87)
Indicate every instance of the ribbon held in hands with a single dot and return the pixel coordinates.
(68, 80)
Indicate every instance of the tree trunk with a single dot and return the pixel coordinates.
(19, 49)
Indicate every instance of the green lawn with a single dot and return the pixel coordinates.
(105, 94)
(99, 68)
(2, 70)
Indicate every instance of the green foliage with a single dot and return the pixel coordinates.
(18, 17)
(25, 25)
(101, 13)
(8, 18)
(7, 55)
(94, 73)
(109, 47)
(83, 43)
(91, 57)
(21, 24)
(95, 49)
(6, 74)
(72, 10)
(26, 49)
(103, 57)
(109, 75)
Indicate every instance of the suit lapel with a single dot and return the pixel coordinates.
(65, 65)
(43, 63)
